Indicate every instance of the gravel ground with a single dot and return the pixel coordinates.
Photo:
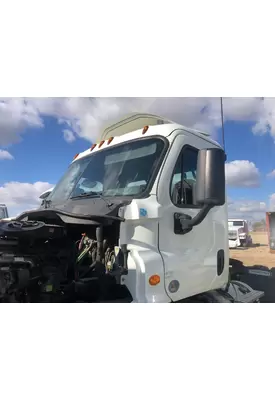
(258, 254)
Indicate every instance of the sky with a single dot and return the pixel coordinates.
(40, 136)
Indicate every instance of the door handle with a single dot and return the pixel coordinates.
(220, 262)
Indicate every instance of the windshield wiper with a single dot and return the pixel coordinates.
(93, 194)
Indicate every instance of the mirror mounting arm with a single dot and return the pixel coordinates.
(183, 223)
(209, 190)
(201, 215)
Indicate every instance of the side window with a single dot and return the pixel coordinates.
(184, 178)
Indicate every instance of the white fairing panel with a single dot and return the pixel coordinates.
(190, 259)
(140, 233)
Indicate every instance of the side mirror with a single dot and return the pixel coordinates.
(209, 188)
(210, 185)
(45, 194)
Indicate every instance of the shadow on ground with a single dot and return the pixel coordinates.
(252, 246)
(258, 277)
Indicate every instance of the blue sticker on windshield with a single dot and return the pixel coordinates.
(143, 212)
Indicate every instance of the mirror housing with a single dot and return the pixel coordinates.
(210, 184)
(209, 189)
(45, 194)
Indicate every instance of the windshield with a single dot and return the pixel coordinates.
(123, 170)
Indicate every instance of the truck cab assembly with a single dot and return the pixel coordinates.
(141, 216)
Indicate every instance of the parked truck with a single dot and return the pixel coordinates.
(238, 233)
(140, 216)
(3, 211)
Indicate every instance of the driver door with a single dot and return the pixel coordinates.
(190, 260)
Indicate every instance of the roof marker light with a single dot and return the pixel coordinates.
(76, 156)
(101, 143)
(110, 140)
(145, 129)
(93, 146)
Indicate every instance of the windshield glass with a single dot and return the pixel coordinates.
(123, 170)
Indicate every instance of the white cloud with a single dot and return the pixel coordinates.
(251, 210)
(272, 202)
(271, 174)
(20, 196)
(15, 116)
(84, 117)
(68, 136)
(242, 173)
(5, 155)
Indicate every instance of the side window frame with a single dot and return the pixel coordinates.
(184, 148)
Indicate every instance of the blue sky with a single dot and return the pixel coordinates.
(35, 140)
(241, 144)
(45, 149)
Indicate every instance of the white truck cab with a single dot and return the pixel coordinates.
(151, 200)
(238, 233)
(175, 226)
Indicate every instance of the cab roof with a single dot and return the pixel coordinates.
(132, 127)
(135, 121)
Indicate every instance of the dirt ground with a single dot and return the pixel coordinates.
(258, 254)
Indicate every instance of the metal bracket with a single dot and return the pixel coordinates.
(182, 223)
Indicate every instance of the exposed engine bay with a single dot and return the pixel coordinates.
(52, 261)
